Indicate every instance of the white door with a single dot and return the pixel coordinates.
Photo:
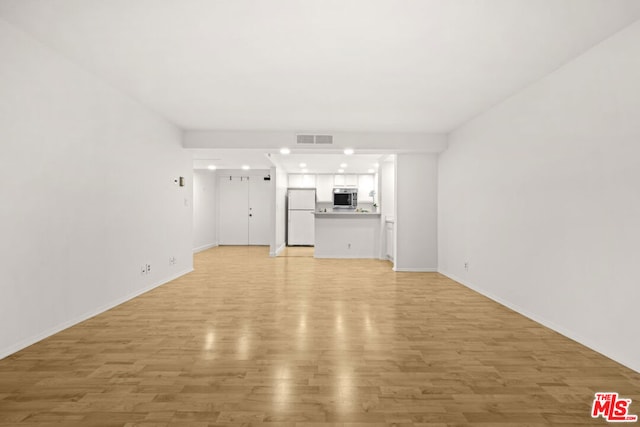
(234, 211)
(301, 228)
(302, 199)
(260, 199)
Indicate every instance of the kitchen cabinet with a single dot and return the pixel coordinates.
(345, 180)
(347, 235)
(324, 188)
(365, 186)
(302, 181)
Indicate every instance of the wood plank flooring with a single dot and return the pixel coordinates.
(295, 341)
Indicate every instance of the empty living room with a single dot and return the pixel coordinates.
(319, 212)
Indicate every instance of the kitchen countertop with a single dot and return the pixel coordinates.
(348, 213)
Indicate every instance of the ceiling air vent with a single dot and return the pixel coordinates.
(324, 139)
(314, 139)
(305, 139)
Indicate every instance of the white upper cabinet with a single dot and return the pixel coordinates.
(302, 181)
(343, 180)
(365, 186)
(325, 183)
(324, 188)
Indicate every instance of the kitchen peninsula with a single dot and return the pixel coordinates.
(347, 234)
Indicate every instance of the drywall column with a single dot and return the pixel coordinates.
(386, 196)
(416, 194)
(279, 213)
(204, 210)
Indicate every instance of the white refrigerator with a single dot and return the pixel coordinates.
(300, 219)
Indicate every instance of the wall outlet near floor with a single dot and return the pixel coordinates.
(143, 270)
(148, 268)
(172, 260)
(348, 245)
(466, 265)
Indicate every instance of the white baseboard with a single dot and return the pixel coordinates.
(415, 270)
(330, 256)
(623, 360)
(204, 247)
(92, 313)
(278, 250)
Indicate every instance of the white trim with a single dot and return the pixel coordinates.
(631, 364)
(277, 251)
(415, 270)
(205, 247)
(64, 325)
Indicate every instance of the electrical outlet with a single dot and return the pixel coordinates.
(348, 245)
(466, 265)
(148, 268)
(172, 260)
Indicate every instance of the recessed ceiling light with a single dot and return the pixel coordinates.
(245, 167)
(348, 151)
(371, 170)
(285, 150)
(211, 167)
(341, 170)
(343, 165)
(303, 165)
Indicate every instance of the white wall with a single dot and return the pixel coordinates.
(396, 142)
(386, 197)
(204, 210)
(279, 210)
(387, 188)
(416, 194)
(541, 195)
(87, 194)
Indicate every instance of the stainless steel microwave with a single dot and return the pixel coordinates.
(345, 198)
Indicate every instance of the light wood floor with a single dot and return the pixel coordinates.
(248, 339)
(297, 251)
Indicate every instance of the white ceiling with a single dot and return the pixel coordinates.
(230, 158)
(318, 65)
(316, 162)
(328, 163)
(328, 65)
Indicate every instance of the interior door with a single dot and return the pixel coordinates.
(260, 199)
(234, 211)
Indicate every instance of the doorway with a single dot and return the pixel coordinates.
(245, 210)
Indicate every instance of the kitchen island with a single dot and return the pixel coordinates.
(347, 234)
